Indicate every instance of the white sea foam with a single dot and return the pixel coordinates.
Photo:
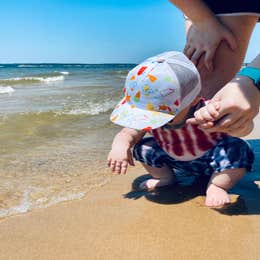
(18, 80)
(51, 79)
(26, 204)
(6, 90)
(60, 198)
(27, 66)
(64, 72)
(23, 207)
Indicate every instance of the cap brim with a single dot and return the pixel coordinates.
(130, 116)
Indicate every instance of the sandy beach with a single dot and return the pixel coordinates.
(116, 222)
(64, 67)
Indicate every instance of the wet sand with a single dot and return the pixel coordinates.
(116, 222)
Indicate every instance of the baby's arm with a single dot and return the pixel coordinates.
(120, 155)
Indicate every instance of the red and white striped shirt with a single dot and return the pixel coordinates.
(186, 143)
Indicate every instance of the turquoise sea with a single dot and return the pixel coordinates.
(55, 131)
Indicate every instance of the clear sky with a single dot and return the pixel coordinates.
(92, 31)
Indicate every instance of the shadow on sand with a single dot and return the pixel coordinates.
(247, 189)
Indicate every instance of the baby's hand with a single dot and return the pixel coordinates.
(206, 115)
(118, 160)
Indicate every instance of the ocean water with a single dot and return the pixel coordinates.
(55, 131)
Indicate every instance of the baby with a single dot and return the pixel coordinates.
(160, 95)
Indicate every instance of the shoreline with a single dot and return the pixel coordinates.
(114, 222)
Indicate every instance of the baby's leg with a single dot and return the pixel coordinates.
(218, 185)
(153, 159)
(161, 177)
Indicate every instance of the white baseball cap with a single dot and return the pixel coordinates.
(156, 91)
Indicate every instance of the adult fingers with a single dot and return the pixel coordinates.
(186, 48)
(219, 127)
(244, 130)
(227, 121)
(196, 56)
(206, 125)
(201, 65)
(231, 40)
(208, 60)
(189, 52)
(223, 124)
(237, 125)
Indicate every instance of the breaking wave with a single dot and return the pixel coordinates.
(31, 80)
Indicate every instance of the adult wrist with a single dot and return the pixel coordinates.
(246, 85)
(209, 21)
(196, 10)
(208, 25)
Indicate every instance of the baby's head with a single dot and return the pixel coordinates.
(156, 91)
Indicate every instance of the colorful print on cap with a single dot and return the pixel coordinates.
(153, 95)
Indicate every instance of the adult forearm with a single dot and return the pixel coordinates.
(196, 10)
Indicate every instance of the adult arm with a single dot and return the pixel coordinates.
(239, 102)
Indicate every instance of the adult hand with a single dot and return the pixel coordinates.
(238, 103)
(204, 38)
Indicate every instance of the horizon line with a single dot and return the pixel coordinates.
(64, 63)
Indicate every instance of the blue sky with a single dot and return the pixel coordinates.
(92, 31)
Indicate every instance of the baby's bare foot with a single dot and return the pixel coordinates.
(216, 196)
(151, 184)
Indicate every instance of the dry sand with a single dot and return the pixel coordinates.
(114, 222)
